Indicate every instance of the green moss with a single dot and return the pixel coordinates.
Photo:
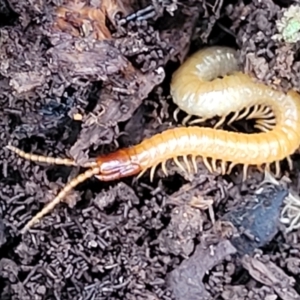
(289, 25)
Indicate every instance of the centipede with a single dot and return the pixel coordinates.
(208, 84)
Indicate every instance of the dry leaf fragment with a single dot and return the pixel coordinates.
(271, 275)
(186, 280)
(79, 18)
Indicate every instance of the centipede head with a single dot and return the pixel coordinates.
(116, 165)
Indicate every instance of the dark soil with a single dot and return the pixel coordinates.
(65, 94)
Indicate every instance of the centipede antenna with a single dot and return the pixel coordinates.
(71, 185)
(41, 158)
(50, 160)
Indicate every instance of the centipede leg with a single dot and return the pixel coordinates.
(199, 120)
(277, 169)
(220, 122)
(194, 162)
(245, 113)
(223, 167)
(266, 112)
(175, 114)
(253, 113)
(233, 118)
(261, 128)
(186, 119)
(231, 166)
(186, 161)
(245, 172)
(290, 162)
(177, 162)
(214, 165)
(141, 174)
(152, 172)
(268, 124)
(164, 168)
(271, 122)
(265, 125)
(295, 221)
(269, 115)
(260, 168)
(260, 112)
(206, 163)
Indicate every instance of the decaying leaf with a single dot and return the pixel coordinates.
(79, 18)
(271, 275)
(186, 280)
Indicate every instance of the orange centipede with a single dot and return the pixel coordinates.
(220, 150)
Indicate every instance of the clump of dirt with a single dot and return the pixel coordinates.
(262, 54)
(83, 78)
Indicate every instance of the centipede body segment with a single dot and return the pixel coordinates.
(220, 150)
(198, 89)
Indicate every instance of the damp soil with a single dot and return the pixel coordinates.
(80, 79)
